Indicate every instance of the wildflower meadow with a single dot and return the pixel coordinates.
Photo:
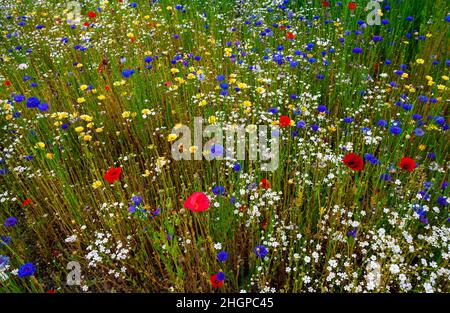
(258, 146)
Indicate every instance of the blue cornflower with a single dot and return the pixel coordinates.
(26, 269)
(236, 167)
(273, 110)
(301, 124)
(222, 256)
(216, 150)
(396, 130)
(137, 200)
(10, 222)
(260, 251)
(377, 38)
(353, 232)
(218, 190)
(5, 240)
(348, 120)
(4, 261)
(321, 108)
(148, 59)
(419, 132)
(357, 50)
(383, 123)
(220, 78)
(19, 98)
(127, 73)
(220, 276)
(43, 106)
(442, 200)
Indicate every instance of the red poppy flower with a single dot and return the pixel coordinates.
(215, 282)
(265, 183)
(290, 35)
(86, 24)
(7, 83)
(92, 14)
(167, 84)
(326, 4)
(285, 121)
(197, 202)
(353, 161)
(407, 164)
(51, 291)
(113, 174)
(26, 202)
(352, 5)
(107, 88)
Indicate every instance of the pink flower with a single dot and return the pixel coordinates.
(197, 202)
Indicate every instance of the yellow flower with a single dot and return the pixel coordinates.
(130, 35)
(442, 87)
(90, 125)
(174, 70)
(87, 138)
(405, 75)
(212, 119)
(145, 111)
(428, 77)
(171, 137)
(101, 97)
(83, 87)
(40, 145)
(50, 155)
(445, 77)
(62, 115)
(146, 174)
(190, 76)
(86, 118)
(247, 103)
(242, 85)
(79, 65)
(202, 103)
(126, 114)
(193, 149)
(99, 129)
(81, 100)
(79, 129)
(97, 184)
(9, 117)
(422, 147)
(260, 90)
(420, 61)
